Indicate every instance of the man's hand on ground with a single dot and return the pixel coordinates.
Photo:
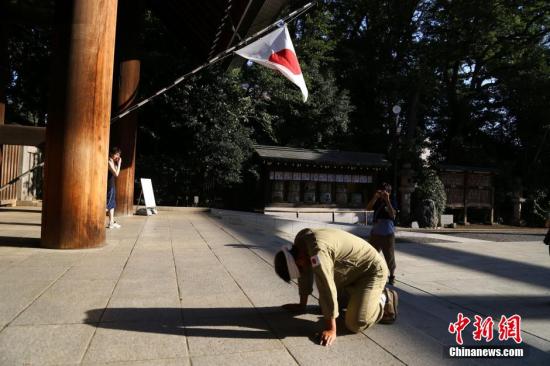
(329, 334)
(328, 337)
(295, 308)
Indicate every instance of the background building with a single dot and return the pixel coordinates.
(293, 177)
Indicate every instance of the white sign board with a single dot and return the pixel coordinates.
(447, 220)
(148, 195)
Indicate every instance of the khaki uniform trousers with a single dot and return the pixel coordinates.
(364, 308)
(342, 263)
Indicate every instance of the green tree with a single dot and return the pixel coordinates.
(474, 48)
(282, 117)
(430, 187)
(471, 78)
(195, 138)
(29, 50)
(205, 139)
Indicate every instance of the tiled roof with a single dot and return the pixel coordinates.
(318, 156)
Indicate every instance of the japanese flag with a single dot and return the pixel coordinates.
(276, 51)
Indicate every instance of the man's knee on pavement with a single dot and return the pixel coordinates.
(355, 322)
(356, 326)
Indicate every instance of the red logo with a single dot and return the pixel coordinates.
(314, 261)
(508, 328)
(458, 327)
(484, 328)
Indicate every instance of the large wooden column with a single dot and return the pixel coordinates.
(127, 74)
(77, 133)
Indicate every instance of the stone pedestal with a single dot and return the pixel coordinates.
(518, 201)
(405, 190)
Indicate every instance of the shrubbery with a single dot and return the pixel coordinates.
(536, 208)
(429, 187)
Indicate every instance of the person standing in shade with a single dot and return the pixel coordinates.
(382, 235)
(115, 162)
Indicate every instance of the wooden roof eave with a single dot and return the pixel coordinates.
(325, 163)
(22, 135)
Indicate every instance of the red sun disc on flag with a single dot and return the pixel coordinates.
(288, 59)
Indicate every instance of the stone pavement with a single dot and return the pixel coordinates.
(187, 288)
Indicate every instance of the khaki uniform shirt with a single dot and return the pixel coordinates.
(338, 259)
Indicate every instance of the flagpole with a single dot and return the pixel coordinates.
(220, 56)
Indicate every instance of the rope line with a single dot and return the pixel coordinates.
(14, 180)
(220, 56)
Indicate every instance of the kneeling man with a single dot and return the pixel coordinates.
(343, 262)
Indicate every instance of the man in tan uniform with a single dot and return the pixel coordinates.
(339, 261)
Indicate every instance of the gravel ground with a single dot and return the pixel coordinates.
(499, 237)
(415, 239)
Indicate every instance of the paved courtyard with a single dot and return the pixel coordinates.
(184, 288)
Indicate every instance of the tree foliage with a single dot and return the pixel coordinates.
(472, 79)
(28, 50)
(282, 117)
(206, 138)
(430, 187)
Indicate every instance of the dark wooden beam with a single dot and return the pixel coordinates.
(26, 15)
(127, 76)
(22, 135)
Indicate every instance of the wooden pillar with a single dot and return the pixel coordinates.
(267, 186)
(492, 193)
(127, 74)
(466, 189)
(406, 190)
(77, 134)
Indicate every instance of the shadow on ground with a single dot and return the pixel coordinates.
(421, 240)
(20, 209)
(499, 237)
(421, 311)
(529, 307)
(242, 323)
(519, 271)
(22, 242)
(20, 223)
